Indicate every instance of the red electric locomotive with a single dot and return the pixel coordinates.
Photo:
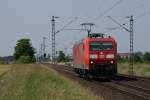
(95, 56)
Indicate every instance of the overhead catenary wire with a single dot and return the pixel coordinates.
(142, 15)
(61, 29)
(108, 10)
(100, 5)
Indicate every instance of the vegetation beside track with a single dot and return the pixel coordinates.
(140, 69)
(37, 82)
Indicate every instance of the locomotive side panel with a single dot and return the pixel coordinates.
(78, 56)
(86, 54)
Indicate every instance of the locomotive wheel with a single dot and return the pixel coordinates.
(81, 75)
(88, 77)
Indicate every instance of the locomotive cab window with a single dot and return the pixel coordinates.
(101, 46)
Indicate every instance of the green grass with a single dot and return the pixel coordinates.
(37, 82)
(140, 69)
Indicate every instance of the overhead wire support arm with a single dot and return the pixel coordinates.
(118, 23)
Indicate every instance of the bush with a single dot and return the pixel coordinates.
(147, 62)
(24, 60)
(122, 59)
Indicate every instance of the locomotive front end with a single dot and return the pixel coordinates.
(102, 56)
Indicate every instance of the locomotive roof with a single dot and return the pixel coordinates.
(99, 36)
(96, 37)
(100, 39)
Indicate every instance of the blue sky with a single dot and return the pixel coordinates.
(31, 19)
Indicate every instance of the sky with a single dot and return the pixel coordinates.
(32, 19)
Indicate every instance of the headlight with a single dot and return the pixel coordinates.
(110, 56)
(92, 62)
(93, 56)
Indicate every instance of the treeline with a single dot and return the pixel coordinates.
(139, 57)
(60, 57)
(25, 53)
(7, 59)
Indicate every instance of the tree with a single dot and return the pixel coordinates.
(138, 57)
(24, 50)
(147, 56)
(67, 58)
(61, 56)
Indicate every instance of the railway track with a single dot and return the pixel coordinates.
(136, 80)
(136, 87)
(135, 77)
(126, 86)
(129, 89)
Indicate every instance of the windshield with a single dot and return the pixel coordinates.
(100, 46)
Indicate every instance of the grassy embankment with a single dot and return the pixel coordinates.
(37, 82)
(139, 69)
